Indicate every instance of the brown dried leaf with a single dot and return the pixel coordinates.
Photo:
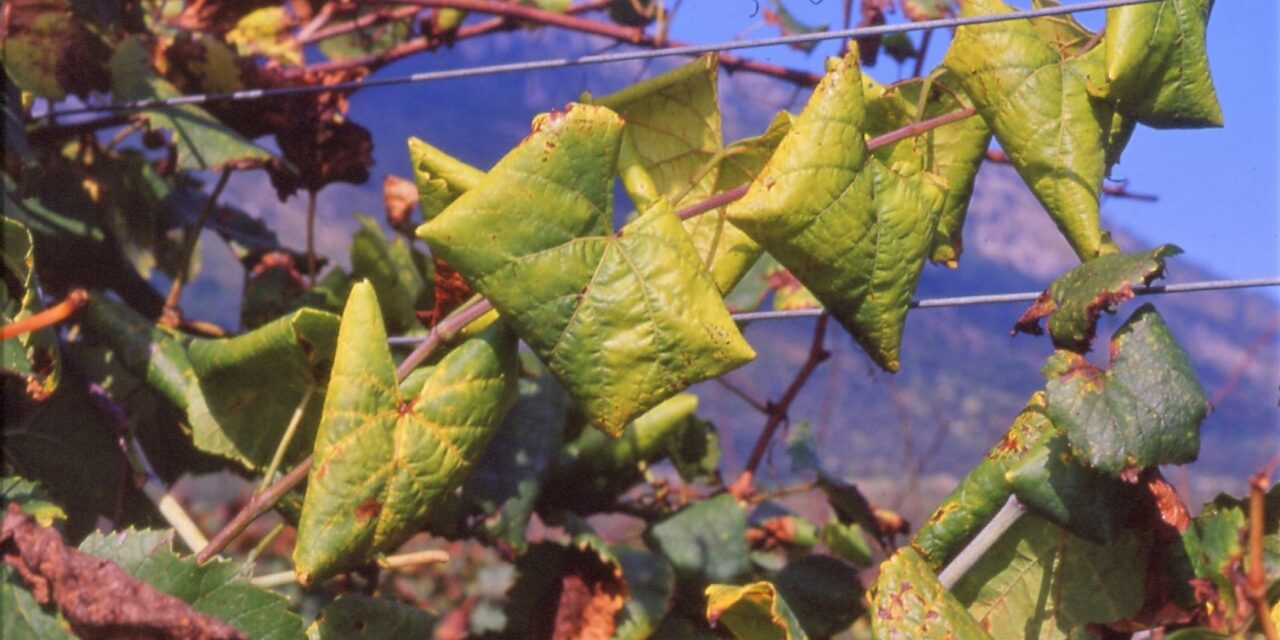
(322, 152)
(399, 196)
(450, 292)
(95, 595)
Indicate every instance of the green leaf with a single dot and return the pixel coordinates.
(909, 602)
(354, 616)
(847, 541)
(383, 461)
(1052, 481)
(1075, 301)
(1039, 581)
(651, 584)
(1157, 64)
(984, 490)
(534, 238)
(1144, 410)
(390, 268)
(50, 53)
(24, 618)
(852, 230)
(33, 500)
(509, 477)
(596, 468)
(707, 538)
(144, 350)
(824, 593)
(1037, 103)
(753, 612)
(1213, 546)
(674, 122)
(441, 178)
(32, 356)
(203, 142)
(217, 588)
(242, 414)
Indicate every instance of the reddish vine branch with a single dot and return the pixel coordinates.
(49, 317)
(510, 14)
(778, 411)
(1255, 583)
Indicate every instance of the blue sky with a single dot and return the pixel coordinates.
(1218, 191)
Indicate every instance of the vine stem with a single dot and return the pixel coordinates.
(76, 299)
(264, 499)
(311, 237)
(287, 438)
(510, 11)
(1255, 584)
(189, 238)
(168, 506)
(969, 556)
(778, 411)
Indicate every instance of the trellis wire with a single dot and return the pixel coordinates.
(968, 301)
(603, 58)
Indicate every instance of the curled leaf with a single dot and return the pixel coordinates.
(1157, 65)
(851, 229)
(1074, 302)
(534, 238)
(384, 461)
(753, 612)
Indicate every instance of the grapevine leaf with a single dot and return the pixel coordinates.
(1158, 66)
(369, 40)
(909, 602)
(50, 53)
(1085, 501)
(24, 618)
(1076, 299)
(753, 612)
(847, 541)
(32, 356)
(984, 490)
(266, 32)
(534, 238)
(1270, 525)
(390, 268)
(852, 230)
(203, 142)
(1145, 410)
(790, 26)
(595, 468)
(353, 616)
(1213, 546)
(652, 585)
(1039, 581)
(383, 461)
(706, 538)
(217, 588)
(243, 415)
(953, 152)
(1037, 103)
(441, 178)
(674, 122)
(824, 593)
(508, 479)
(33, 500)
(144, 350)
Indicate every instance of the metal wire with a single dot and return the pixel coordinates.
(556, 63)
(969, 301)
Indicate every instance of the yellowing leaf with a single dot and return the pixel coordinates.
(753, 612)
(441, 178)
(624, 321)
(1157, 65)
(674, 121)
(849, 228)
(909, 602)
(265, 32)
(384, 461)
(1037, 103)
